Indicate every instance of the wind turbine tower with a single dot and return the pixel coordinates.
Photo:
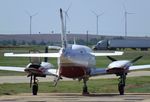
(97, 20)
(126, 18)
(31, 16)
(66, 16)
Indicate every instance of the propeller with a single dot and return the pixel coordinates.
(136, 59)
(112, 59)
(46, 51)
(132, 61)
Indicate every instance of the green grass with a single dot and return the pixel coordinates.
(133, 85)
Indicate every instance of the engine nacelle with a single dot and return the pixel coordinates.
(116, 70)
(38, 70)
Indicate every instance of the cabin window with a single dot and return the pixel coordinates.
(81, 51)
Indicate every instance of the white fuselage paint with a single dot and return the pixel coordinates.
(77, 58)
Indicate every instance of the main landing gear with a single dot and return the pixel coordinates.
(34, 85)
(85, 88)
(121, 84)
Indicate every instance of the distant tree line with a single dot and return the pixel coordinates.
(14, 42)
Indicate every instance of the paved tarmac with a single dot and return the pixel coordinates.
(76, 97)
(24, 79)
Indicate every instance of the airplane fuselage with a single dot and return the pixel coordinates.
(75, 61)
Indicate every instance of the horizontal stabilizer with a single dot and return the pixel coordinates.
(116, 53)
(9, 68)
(54, 47)
(33, 55)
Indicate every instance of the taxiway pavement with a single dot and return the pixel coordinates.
(76, 97)
(25, 79)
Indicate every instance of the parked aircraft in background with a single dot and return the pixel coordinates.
(74, 61)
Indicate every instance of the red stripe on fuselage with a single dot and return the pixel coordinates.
(72, 71)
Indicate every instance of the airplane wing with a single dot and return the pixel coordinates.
(98, 71)
(55, 55)
(52, 72)
(102, 71)
(18, 69)
(138, 67)
(108, 54)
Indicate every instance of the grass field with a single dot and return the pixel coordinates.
(134, 85)
(137, 84)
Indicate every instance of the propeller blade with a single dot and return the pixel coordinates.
(112, 59)
(136, 59)
(46, 51)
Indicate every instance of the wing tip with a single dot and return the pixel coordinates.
(119, 52)
(8, 54)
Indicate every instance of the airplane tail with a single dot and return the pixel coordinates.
(63, 34)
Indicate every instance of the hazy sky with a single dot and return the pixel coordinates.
(14, 19)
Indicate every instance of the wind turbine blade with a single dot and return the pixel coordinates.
(27, 13)
(94, 13)
(124, 7)
(69, 7)
(35, 14)
(130, 13)
(101, 14)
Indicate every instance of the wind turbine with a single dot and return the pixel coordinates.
(31, 16)
(125, 18)
(66, 16)
(97, 18)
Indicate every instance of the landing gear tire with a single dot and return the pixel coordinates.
(121, 89)
(121, 84)
(85, 90)
(35, 89)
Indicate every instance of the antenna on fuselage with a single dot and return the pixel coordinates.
(63, 34)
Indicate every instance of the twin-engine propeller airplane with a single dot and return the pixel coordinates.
(74, 61)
